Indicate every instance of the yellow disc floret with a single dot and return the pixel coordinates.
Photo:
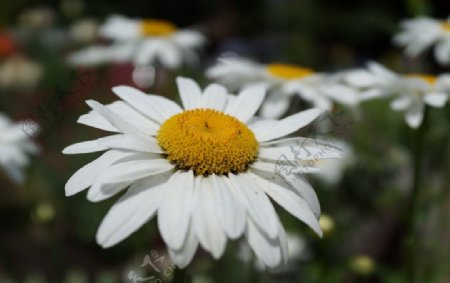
(208, 142)
(429, 79)
(445, 26)
(157, 28)
(288, 72)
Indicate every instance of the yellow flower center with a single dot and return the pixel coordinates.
(157, 28)
(445, 26)
(288, 72)
(429, 79)
(208, 142)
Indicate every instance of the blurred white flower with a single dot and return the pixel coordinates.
(283, 81)
(410, 92)
(19, 72)
(37, 18)
(142, 42)
(206, 170)
(419, 34)
(15, 144)
(84, 31)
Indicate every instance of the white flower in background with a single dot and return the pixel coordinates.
(283, 81)
(142, 42)
(419, 34)
(15, 144)
(84, 31)
(411, 92)
(206, 170)
(421, 90)
(37, 18)
(19, 72)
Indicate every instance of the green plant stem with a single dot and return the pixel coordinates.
(411, 240)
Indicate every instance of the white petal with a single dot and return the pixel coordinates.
(152, 106)
(170, 55)
(256, 203)
(275, 105)
(287, 125)
(183, 256)
(230, 211)
(299, 153)
(281, 166)
(135, 170)
(175, 211)
(266, 249)
(261, 125)
(360, 78)
(131, 211)
(436, 99)
(88, 174)
(215, 97)
(414, 115)
(247, 103)
(133, 143)
(84, 147)
(123, 110)
(147, 54)
(295, 182)
(115, 120)
(205, 219)
(190, 93)
(442, 52)
(188, 38)
(129, 114)
(303, 188)
(290, 201)
(95, 120)
(401, 103)
(340, 93)
(98, 191)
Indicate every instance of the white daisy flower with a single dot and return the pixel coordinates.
(206, 170)
(283, 81)
(411, 91)
(142, 42)
(419, 34)
(15, 144)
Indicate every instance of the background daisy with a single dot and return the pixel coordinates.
(15, 146)
(142, 42)
(283, 81)
(410, 93)
(421, 33)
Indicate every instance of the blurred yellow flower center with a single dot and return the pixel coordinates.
(429, 79)
(157, 27)
(445, 26)
(208, 142)
(285, 71)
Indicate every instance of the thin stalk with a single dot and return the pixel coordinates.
(412, 213)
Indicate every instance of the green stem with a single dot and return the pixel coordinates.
(411, 241)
